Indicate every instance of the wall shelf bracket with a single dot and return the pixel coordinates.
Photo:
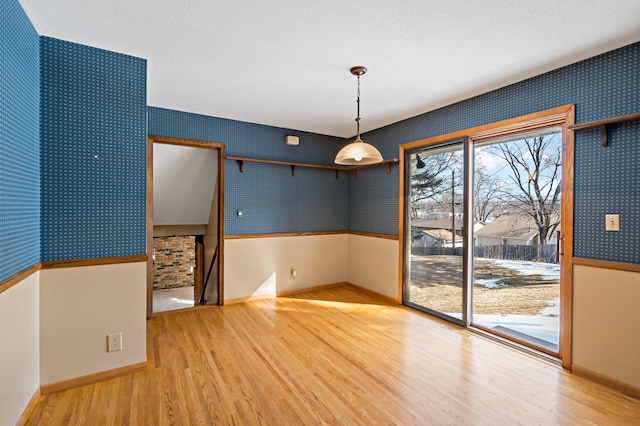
(242, 160)
(602, 124)
(605, 136)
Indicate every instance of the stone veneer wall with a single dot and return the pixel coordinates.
(174, 258)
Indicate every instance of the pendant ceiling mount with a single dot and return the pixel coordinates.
(358, 152)
(358, 70)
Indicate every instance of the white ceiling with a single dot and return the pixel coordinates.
(184, 179)
(286, 63)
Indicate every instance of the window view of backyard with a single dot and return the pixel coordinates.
(516, 217)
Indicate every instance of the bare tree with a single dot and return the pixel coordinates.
(535, 174)
(486, 195)
(431, 181)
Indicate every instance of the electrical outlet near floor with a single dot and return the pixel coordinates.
(114, 342)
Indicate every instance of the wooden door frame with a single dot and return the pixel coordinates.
(562, 116)
(151, 139)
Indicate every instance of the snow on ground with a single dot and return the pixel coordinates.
(490, 282)
(553, 310)
(545, 328)
(548, 271)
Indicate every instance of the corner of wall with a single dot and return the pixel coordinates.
(261, 267)
(20, 331)
(373, 264)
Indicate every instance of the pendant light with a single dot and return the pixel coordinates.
(358, 152)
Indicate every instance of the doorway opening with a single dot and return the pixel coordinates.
(184, 223)
(487, 231)
(175, 272)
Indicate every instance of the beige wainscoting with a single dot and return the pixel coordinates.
(20, 348)
(79, 307)
(258, 267)
(606, 330)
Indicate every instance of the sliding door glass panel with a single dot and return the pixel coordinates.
(435, 243)
(516, 208)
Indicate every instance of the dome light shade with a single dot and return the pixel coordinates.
(358, 152)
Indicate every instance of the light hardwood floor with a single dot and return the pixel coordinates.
(335, 356)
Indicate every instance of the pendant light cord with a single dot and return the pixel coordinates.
(358, 152)
(358, 117)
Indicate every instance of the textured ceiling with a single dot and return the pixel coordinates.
(286, 63)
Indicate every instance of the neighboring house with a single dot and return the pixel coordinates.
(478, 226)
(441, 224)
(509, 230)
(437, 238)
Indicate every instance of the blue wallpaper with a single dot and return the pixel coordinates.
(274, 201)
(244, 139)
(93, 152)
(19, 142)
(374, 188)
(271, 199)
(606, 180)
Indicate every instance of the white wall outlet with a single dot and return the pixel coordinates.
(293, 274)
(114, 342)
(613, 222)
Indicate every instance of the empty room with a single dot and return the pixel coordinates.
(338, 212)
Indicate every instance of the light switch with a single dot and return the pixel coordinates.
(613, 222)
(239, 214)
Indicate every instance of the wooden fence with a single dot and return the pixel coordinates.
(545, 253)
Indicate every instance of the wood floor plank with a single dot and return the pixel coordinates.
(331, 356)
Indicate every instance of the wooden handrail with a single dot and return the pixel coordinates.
(602, 124)
(201, 299)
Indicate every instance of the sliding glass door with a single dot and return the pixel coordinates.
(482, 235)
(516, 205)
(434, 235)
